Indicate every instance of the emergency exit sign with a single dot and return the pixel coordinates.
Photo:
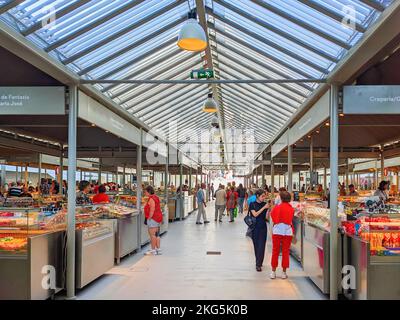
(202, 74)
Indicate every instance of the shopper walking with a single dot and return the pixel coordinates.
(201, 202)
(282, 233)
(241, 196)
(220, 203)
(231, 203)
(212, 191)
(154, 217)
(259, 210)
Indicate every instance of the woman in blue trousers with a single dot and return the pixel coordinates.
(259, 210)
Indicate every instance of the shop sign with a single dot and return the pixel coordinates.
(371, 99)
(311, 120)
(280, 144)
(202, 74)
(32, 100)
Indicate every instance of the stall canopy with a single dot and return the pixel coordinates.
(122, 40)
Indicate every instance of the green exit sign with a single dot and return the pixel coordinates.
(202, 74)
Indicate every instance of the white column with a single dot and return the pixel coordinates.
(61, 170)
(139, 188)
(72, 132)
(334, 162)
(290, 168)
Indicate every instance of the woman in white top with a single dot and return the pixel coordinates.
(381, 192)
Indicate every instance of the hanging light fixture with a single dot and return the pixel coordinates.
(210, 105)
(192, 36)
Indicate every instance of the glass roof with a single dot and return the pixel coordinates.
(248, 39)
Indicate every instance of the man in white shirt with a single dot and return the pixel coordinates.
(220, 203)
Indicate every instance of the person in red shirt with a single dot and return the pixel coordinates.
(96, 188)
(282, 233)
(101, 197)
(231, 202)
(154, 217)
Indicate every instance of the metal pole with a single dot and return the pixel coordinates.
(40, 169)
(81, 175)
(272, 175)
(190, 179)
(181, 191)
(325, 184)
(334, 163)
(72, 131)
(383, 177)
(3, 176)
(61, 170)
(311, 158)
(262, 175)
(166, 181)
(139, 188)
(290, 168)
(197, 81)
(99, 180)
(299, 188)
(123, 177)
(347, 172)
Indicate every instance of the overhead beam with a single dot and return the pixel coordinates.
(302, 23)
(330, 13)
(10, 5)
(200, 81)
(60, 13)
(374, 4)
(93, 24)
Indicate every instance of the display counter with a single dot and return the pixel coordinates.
(316, 246)
(372, 246)
(25, 249)
(296, 249)
(94, 250)
(125, 225)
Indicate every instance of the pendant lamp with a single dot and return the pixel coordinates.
(192, 36)
(210, 105)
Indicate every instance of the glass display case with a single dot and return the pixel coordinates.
(372, 246)
(26, 245)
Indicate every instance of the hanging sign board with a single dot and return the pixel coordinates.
(93, 112)
(32, 100)
(311, 120)
(371, 99)
(280, 144)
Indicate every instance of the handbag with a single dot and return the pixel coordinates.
(250, 220)
(235, 212)
(145, 221)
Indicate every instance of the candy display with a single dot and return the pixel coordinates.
(13, 244)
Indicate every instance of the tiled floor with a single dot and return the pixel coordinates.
(185, 271)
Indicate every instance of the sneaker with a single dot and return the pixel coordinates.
(258, 269)
(284, 275)
(206, 221)
(220, 220)
(150, 253)
(272, 275)
(199, 222)
(159, 251)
